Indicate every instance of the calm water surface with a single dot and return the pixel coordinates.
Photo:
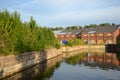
(86, 66)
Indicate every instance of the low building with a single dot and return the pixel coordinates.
(101, 35)
(98, 35)
(68, 34)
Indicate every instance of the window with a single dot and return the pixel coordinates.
(100, 41)
(67, 36)
(93, 42)
(69, 32)
(92, 34)
(100, 34)
(73, 35)
(85, 35)
(77, 33)
(109, 34)
(109, 42)
(62, 35)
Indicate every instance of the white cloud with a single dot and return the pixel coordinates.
(56, 12)
(79, 16)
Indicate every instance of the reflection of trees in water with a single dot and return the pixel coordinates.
(47, 74)
(74, 60)
(41, 71)
(104, 61)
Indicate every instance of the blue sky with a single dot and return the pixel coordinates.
(52, 13)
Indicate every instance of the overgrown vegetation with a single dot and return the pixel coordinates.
(18, 37)
(75, 42)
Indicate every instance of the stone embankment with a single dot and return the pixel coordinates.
(11, 64)
(85, 48)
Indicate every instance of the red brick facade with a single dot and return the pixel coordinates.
(107, 37)
(65, 37)
(101, 38)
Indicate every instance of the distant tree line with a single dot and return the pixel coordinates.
(81, 27)
(18, 37)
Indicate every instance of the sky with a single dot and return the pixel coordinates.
(56, 13)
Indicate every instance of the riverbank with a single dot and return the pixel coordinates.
(84, 48)
(11, 64)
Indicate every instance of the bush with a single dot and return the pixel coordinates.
(69, 43)
(57, 46)
(75, 42)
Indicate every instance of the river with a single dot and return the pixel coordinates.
(82, 66)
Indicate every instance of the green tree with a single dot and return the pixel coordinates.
(18, 37)
(105, 24)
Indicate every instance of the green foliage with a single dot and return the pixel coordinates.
(100, 25)
(69, 43)
(85, 26)
(74, 60)
(105, 24)
(47, 73)
(57, 46)
(58, 28)
(18, 37)
(73, 27)
(75, 42)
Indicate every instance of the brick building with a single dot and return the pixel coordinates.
(68, 34)
(101, 35)
(98, 35)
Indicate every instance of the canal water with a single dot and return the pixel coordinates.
(83, 66)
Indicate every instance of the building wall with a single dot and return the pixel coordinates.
(84, 37)
(100, 38)
(108, 38)
(116, 34)
(66, 37)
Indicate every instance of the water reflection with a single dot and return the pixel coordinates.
(94, 66)
(101, 60)
(42, 71)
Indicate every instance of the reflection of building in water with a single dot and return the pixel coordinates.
(37, 70)
(106, 58)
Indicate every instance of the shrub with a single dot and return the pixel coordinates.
(75, 42)
(57, 46)
(69, 43)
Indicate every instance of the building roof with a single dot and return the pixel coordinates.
(57, 32)
(99, 29)
(102, 29)
(74, 31)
